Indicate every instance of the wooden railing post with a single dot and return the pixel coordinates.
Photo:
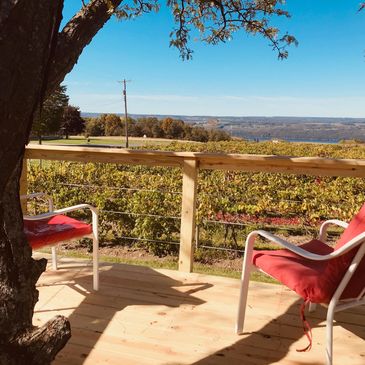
(188, 207)
(23, 185)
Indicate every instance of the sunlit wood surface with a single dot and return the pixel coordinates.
(147, 316)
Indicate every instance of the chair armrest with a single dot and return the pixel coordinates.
(94, 211)
(281, 242)
(324, 226)
(32, 195)
(356, 241)
(37, 195)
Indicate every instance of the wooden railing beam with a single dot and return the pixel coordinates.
(317, 166)
(188, 210)
(105, 155)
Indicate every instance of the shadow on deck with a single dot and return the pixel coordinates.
(147, 316)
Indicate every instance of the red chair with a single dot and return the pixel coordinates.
(53, 227)
(317, 272)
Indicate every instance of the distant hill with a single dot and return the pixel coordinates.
(199, 119)
(317, 129)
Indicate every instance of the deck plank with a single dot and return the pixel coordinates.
(148, 316)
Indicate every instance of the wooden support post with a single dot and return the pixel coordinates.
(23, 185)
(188, 207)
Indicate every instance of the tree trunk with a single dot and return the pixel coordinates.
(27, 32)
(34, 61)
(20, 342)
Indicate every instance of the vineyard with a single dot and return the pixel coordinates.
(142, 205)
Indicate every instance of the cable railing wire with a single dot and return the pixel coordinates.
(252, 200)
(139, 214)
(118, 188)
(149, 240)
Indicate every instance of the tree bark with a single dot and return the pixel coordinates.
(34, 61)
(76, 35)
(27, 33)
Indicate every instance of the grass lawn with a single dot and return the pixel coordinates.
(115, 141)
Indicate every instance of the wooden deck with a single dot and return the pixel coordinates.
(147, 316)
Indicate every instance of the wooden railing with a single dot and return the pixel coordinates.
(190, 163)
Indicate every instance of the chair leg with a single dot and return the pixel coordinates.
(54, 257)
(329, 334)
(312, 307)
(246, 270)
(95, 253)
(95, 265)
(242, 300)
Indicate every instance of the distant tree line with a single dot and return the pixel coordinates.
(113, 125)
(58, 118)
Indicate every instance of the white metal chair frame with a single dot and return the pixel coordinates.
(94, 235)
(335, 305)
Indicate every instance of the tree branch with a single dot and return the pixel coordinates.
(76, 35)
(218, 20)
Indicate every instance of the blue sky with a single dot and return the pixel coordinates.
(324, 76)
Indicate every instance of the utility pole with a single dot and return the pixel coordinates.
(125, 110)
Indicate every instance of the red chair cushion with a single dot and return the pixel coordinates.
(49, 231)
(357, 282)
(312, 280)
(355, 227)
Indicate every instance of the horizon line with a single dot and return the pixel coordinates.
(225, 116)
